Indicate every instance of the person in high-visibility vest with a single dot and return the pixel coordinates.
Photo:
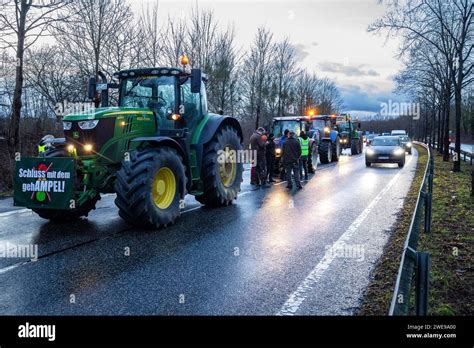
(304, 142)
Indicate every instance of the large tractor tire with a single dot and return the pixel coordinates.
(221, 181)
(325, 152)
(313, 159)
(70, 214)
(353, 148)
(336, 150)
(150, 187)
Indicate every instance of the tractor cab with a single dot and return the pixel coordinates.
(176, 98)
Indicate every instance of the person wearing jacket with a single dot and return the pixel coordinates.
(291, 153)
(304, 143)
(257, 143)
(270, 156)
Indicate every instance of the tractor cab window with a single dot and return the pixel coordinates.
(280, 126)
(154, 92)
(190, 101)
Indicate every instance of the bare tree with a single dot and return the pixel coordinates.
(22, 22)
(93, 27)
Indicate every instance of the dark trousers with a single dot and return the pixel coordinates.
(304, 165)
(292, 168)
(261, 170)
(270, 164)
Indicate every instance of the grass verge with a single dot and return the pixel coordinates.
(450, 244)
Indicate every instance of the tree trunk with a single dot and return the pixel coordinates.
(458, 108)
(14, 126)
(446, 127)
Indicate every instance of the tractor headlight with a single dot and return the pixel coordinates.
(89, 124)
(327, 129)
(88, 147)
(409, 144)
(67, 125)
(370, 152)
(399, 152)
(278, 151)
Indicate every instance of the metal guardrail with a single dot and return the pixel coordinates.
(463, 154)
(414, 262)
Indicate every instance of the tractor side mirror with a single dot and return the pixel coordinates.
(91, 88)
(359, 125)
(196, 80)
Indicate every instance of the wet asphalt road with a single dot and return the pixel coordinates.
(267, 254)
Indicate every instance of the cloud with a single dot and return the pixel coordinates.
(348, 70)
(301, 52)
(369, 99)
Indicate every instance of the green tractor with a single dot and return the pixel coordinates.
(351, 136)
(159, 144)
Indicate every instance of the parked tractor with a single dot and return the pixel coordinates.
(323, 130)
(351, 136)
(158, 144)
(295, 124)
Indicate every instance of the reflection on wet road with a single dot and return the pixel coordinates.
(254, 257)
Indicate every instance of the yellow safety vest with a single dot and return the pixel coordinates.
(304, 146)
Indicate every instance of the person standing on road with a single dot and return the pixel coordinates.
(304, 143)
(291, 153)
(257, 143)
(270, 157)
(280, 145)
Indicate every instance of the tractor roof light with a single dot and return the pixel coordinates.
(184, 60)
(175, 117)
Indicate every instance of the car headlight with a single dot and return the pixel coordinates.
(89, 124)
(67, 125)
(370, 152)
(409, 144)
(399, 152)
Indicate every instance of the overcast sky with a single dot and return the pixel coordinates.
(331, 37)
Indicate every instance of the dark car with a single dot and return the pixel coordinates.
(385, 149)
(369, 138)
(406, 143)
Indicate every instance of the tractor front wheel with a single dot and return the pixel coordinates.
(150, 187)
(221, 174)
(313, 159)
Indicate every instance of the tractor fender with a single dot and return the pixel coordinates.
(212, 124)
(169, 142)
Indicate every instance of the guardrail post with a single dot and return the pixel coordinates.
(422, 283)
(428, 200)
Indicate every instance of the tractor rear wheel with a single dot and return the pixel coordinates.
(336, 149)
(354, 150)
(221, 175)
(150, 187)
(325, 152)
(70, 214)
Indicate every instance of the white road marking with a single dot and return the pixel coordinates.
(291, 306)
(9, 268)
(13, 212)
